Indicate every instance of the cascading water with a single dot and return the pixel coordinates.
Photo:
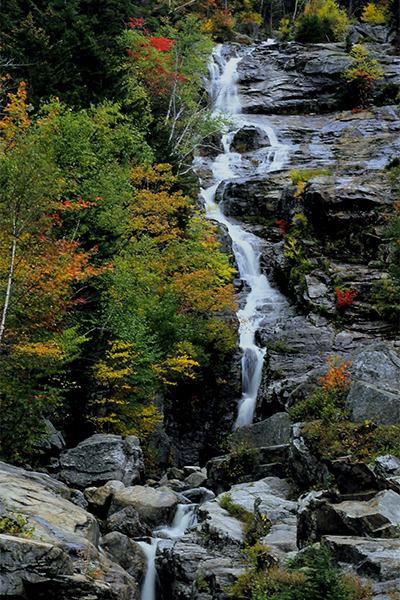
(185, 516)
(262, 300)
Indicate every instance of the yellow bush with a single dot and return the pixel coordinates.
(374, 14)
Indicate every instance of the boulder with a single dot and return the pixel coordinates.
(37, 498)
(274, 431)
(220, 528)
(387, 466)
(249, 138)
(125, 552)
(101, 458)
(129, 522)
(23, 559)
(100, 497)
(365, 514)
(377, 559)
(61, 559)
(306, 469)
(189, 571)
(367, 402)
(196, 479)
(155, 506)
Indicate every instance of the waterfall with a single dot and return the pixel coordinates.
(262, 299)
(185, 516)
(148, 591)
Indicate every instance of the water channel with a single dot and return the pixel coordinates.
(262, 300)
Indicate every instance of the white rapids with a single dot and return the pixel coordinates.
(262, 302)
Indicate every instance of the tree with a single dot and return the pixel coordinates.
(358, 80)
(171, 67)
(38, 274)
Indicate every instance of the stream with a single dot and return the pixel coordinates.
(262, 300)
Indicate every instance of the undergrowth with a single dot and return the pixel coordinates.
(313, 576)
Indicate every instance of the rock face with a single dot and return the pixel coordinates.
(61, 555)
(101, 458)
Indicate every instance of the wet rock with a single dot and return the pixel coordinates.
(125, 552)
(100, 458)
(291, 78)
(199, 495)
(255, 196)
(128, 522)
(155, 506)
(249, 138)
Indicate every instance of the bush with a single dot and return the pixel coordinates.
(358, 80)
(322, 21)
(375, 14)
(312, 577)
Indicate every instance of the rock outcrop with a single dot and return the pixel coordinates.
(102, 458)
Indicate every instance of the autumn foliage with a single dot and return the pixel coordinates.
(346, 298)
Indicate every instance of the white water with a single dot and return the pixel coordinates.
(184, 517)
(148, 591)
(262, 301)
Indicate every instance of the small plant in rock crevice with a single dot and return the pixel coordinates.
(327, 403)
(241, 460)
(345, 298)
(14, 524)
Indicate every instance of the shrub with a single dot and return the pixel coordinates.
(375, 14)
(322, 21)
(346, 298)
(358, 80)
(327, 403)
(313, 577)
(241, 460)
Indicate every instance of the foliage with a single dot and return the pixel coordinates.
(328, 432)
(375, 14)
(312, 577)
(345, 298)
(14, 523)
(321, 21)
(384, 296)
(241, 460)
(327, 403)
(284, 28)
(362, 441)
(38, 273)
(171, 68)
(357, 81)
(298, 175)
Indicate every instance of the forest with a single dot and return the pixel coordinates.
(113, 287)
